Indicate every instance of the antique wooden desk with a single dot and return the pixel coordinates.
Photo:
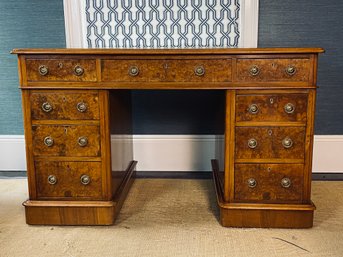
(75, 99)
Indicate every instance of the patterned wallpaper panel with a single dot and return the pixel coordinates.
(162, 23)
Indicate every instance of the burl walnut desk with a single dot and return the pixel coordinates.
(75, 99)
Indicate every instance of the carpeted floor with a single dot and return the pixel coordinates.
(170, 217)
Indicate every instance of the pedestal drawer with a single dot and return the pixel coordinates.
(70, 180)
(66, 105)
(269, 70)
(66, 140)
(271, 107)
(274, 183)
(270, 142)
(61, 70)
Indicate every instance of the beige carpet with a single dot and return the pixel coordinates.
(170, 217)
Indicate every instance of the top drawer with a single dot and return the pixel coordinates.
(61, 70)
(64, 105)
(285, 107)
(264, 70)
(180, 70)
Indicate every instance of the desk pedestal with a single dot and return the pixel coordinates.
(80, 212)
(261, 215)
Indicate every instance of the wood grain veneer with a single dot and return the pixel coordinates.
(268, 178)
(271, 107)
(64, 105)
(269, 142)
(61, 69)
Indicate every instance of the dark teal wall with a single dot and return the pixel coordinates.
(294, 23)
(24, 23)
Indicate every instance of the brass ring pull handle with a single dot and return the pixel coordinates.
(81, 107)
(85, 180)
(133, 71)
(52, 180)
(199, 71)
(287, 142)
(82, 141)
(78, 70)
(291, 70)
(47, 107)
(252, 143)
(252, 182)
(48, 141)
(289, 108)
(254, 70)
(43, 70)
(286, 182)
(253, 109)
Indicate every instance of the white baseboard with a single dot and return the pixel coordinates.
(12, 153)
(179, 153)
(174, 152)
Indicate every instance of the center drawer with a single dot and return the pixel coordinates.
(270, 142)
(66, 140)
(68, 180)
(273, 183)
(180, 70)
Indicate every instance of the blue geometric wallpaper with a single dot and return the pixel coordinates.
(162, 23)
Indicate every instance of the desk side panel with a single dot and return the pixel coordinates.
(121, 135)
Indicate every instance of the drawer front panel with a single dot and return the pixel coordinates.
(270, 142)
(274, 183)
(264, 70)
(273, 107)
(64, 106)
(184, 70)
(72, 141)
(133, 70)
(70, 180)
(218, 70)
(61, 70)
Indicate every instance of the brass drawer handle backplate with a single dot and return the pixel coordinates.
(289, 108)
(49, 141)
(133, 71)
(52, 180)
(43, 70)
(291, 70)
(252, 143)
(199, 71)
(78, 70)
(254, 70)
(252, 182)
(47, 107)
(82, 141)
(287, 142)
(286, 182)
(85, 180)
(253, 109)
(81, 107)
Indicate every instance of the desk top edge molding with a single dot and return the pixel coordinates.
(230, 51)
